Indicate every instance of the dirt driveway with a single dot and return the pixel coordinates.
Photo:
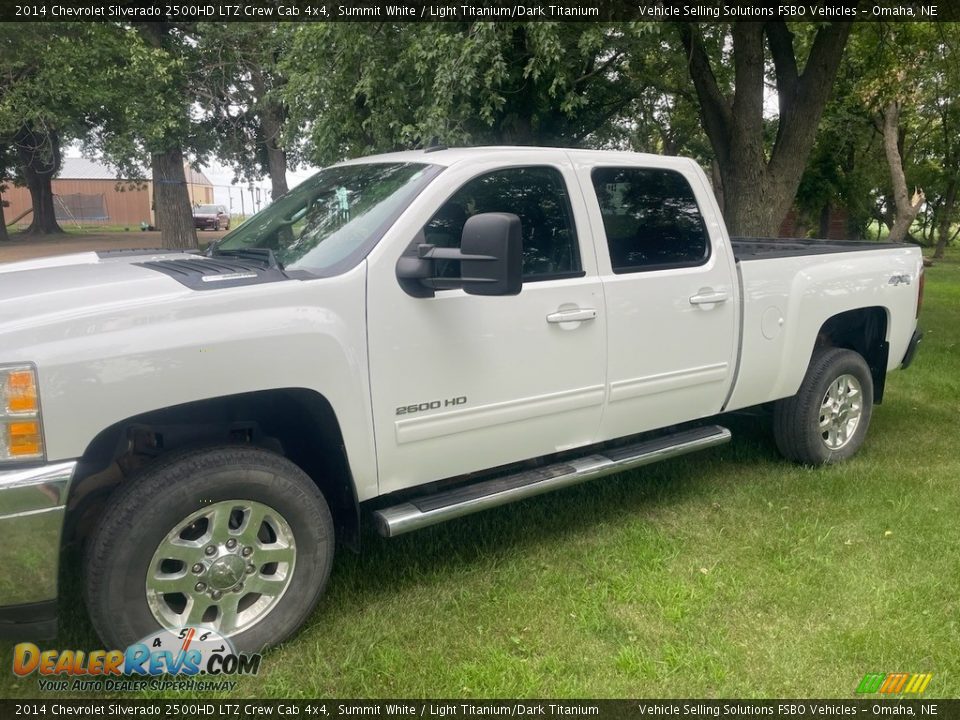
(45, 246)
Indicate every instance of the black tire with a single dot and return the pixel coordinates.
(144, 510)
(216, 226)
(797, 420)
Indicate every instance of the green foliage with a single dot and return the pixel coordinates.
(333, 90)
(663, 116)
(148, 92)
(359, 88)
(238, 91)
(45, 78)
(45, 86)
(918, 66)
(123, 90)
(847, 161)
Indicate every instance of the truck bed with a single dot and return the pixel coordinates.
(745, 249)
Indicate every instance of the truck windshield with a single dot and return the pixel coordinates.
(328, 223)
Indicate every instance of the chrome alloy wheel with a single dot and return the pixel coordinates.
(840, 411)
(224, 567)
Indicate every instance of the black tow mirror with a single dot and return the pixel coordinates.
(490, 256)
(492, 247)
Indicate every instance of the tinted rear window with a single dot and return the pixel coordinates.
(651, 219)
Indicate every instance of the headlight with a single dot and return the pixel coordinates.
(21, 432)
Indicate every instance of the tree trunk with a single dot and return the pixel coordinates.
(271, 122)
(823, 222)
(516, 123)
(717, 181)
(945, 216)
(4, 178)
(276, 155)
(39, 155)
(755, 204)
(4, 236)
(516, 129)
(759, 192)
(171, 200)
(906, 207)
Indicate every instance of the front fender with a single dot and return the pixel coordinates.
(103, 367)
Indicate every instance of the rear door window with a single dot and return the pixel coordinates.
(651, 219)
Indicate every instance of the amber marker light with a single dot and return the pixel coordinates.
(24, 439)
(22, 392)
(21, 429)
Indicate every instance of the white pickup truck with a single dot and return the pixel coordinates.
(403, 339)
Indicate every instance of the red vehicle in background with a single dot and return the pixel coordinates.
(211, 217)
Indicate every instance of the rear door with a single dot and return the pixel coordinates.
(668, 281)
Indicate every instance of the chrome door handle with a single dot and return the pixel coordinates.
(709, 298)
(578, 315)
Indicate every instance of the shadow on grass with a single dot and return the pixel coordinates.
(487, 538)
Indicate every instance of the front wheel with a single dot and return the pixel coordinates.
(827, 420)
(234, 539)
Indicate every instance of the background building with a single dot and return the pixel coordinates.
(87, 192)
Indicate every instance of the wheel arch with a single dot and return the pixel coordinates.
(297, 423)
(863, 330)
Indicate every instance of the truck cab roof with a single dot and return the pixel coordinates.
(448, 157)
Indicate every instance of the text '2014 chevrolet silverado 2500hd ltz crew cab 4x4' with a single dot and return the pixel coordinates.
(406, 339)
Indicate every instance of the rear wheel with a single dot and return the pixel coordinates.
(827, 420)
(238, 540)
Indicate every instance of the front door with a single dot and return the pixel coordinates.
(462, 383)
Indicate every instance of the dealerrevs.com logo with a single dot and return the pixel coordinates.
(190, 659)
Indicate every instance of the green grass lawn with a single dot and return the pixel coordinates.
(728, 573)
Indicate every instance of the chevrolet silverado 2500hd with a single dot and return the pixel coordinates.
(405, 339)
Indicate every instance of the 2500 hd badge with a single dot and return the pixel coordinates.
(432, 405)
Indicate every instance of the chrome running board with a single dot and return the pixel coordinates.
(448, 504)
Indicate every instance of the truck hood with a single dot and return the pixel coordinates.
(36, 292)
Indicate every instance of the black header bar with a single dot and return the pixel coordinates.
(478, 709)
(297, 11)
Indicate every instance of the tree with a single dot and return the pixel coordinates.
(44, 91)
(906, 206)
(663, 115)
(6, 162)
(38, 151)
(948, 209)
(945, 107)
(760, 178)
(846, 163)
(890, 87)
(148, 115)
(240, 94)
(359, 88)
(171, 199)
(897, 118)
(96, 82)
